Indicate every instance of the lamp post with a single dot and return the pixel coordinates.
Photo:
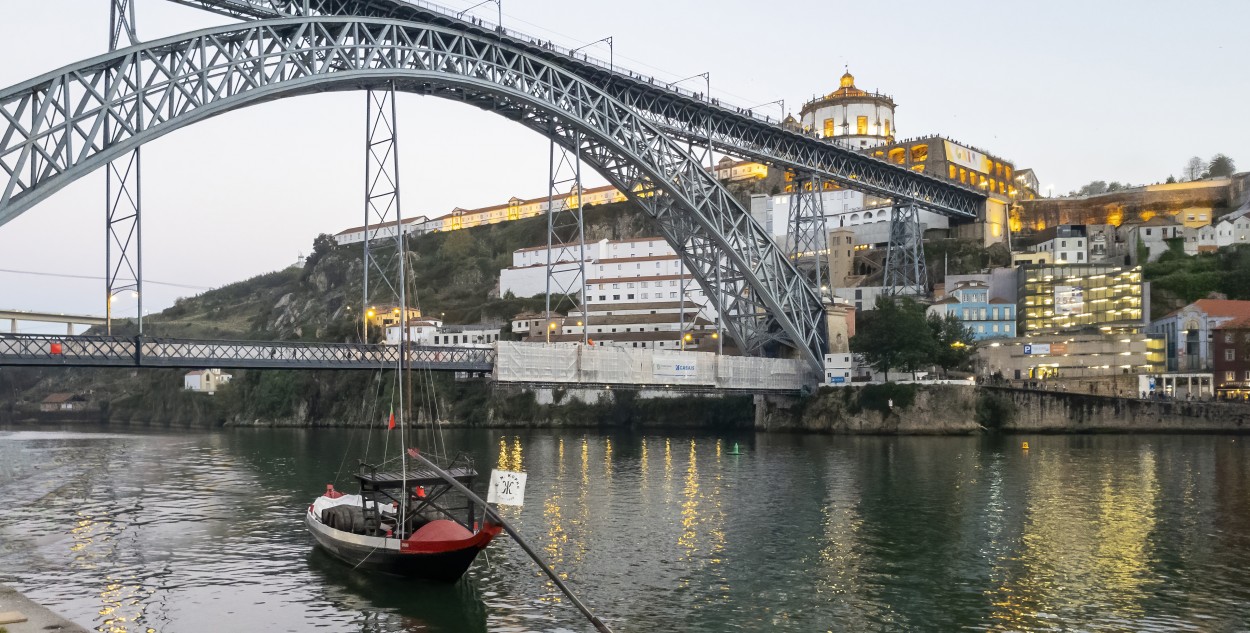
(498, 3)
(108, 310)
(781, 102)
(611, 51)
(551, 325)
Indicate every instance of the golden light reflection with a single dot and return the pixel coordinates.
(503, 454)
(607, 461)
(518, 464)
(690, 504)
(1080, 546)
(642, 464)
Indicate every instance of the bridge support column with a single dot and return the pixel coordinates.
(566, 236)
(809, 234)
(123, 243)
(383, 215)
(905, 270)
(12, 326)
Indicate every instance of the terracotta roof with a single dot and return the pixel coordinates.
(1001, 300)
(357, 229)
(1220, 308)
(58, 398)
(1242, 323)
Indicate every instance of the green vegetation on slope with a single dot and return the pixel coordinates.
(454, 275)
(1178, 279)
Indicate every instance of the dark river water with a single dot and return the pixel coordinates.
(195, 531)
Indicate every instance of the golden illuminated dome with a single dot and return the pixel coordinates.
(846, 88)
(848, 80)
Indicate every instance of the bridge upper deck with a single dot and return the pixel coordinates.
(681, 113)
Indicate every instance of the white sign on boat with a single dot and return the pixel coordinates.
(506, 488)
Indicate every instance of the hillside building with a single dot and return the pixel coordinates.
(664, 325)
(642, 270)
(1231, 358)
(205, 380)
(1073, 298)
(971, 302)
(851, 116)
(1188, 332)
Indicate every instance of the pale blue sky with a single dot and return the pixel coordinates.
(1076, 90)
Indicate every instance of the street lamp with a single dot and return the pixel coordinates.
(498, 3)
(707, 96)
(550, 327)
(611, 51)
(781, 102)
(108, 313)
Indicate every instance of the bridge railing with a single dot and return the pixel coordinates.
(119, 351)
(37, 349)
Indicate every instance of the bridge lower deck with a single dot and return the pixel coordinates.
(120, 351)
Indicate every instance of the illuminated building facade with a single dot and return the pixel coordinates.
(1072, 298)
(1231, 358)
(1191, 330)
(856, 118)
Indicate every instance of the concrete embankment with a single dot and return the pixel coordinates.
(18, 614)
(958, 409)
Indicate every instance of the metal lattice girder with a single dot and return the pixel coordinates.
(905, 269)
(809, 231)
(679, 114)
(383, 213)
(123, 234)
(192, 77)
(566, 232)
(116, 351)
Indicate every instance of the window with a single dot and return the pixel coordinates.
(1230, 354)
(887, 127)
(1063, 257)
(1228, 337)
(1248, 374)
(1230, 376)
(1080, 257)
(1147, 231)
(616, 286)
(645, 295)
(672, 295)
(616, 297)
(1063, 243)
(861, 125)
(829, 129)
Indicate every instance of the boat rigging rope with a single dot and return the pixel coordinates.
(594, 620)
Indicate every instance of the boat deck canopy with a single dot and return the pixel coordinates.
(416, 477)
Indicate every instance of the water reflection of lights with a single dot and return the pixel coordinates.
(122, 603)
(607, 462)
(690, 504)
(1081, 548)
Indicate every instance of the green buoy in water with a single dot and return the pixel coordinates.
(735, 450)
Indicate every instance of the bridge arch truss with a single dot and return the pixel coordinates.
(54, 133)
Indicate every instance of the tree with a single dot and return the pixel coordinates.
(1193, 169)
(1171, 180)
(894, 336)
(954, 342)
(1093, 189)
(1221, 166)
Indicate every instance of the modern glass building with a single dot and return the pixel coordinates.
(1079, 298)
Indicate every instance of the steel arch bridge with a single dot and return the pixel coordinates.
(54, 128)
(680, 114)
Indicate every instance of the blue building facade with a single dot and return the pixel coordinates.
(988, 317)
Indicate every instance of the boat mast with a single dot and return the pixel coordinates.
(403, 320)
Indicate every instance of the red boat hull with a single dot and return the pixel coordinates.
(430, 559)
